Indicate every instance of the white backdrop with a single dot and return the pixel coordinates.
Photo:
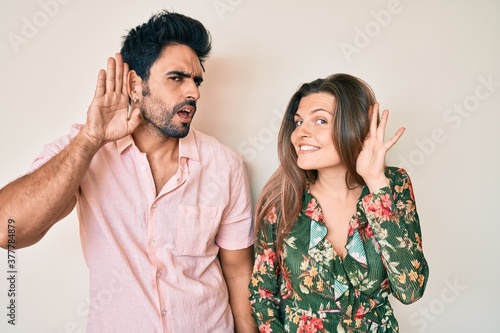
(434, 64)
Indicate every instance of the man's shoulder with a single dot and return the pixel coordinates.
(63, 140)
(205, 138)
(211, 145)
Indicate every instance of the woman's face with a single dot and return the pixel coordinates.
(313, 135)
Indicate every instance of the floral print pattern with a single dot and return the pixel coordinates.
(317, 291)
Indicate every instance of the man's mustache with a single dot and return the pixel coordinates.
(188, 102)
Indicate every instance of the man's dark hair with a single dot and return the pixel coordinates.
(143, 45)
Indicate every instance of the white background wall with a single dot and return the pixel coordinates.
(429, 62)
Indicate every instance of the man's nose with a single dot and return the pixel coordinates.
(192, 90)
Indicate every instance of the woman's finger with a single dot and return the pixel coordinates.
(382, 125)
(373, 120)
(392, 141)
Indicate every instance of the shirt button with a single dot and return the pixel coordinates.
(164, 312)
(158, 275)
(143, 168)
(153, 242)
(154, 206)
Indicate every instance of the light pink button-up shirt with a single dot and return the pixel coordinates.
(153, 259)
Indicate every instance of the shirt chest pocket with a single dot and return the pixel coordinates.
(196, 230)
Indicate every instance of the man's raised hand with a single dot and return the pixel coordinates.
(108, 117)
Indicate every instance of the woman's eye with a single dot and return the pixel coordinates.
(298, 122)
(320, 121)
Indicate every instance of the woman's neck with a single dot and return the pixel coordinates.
(334, 184)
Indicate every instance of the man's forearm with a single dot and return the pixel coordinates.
(39, 199)
(237, 267)
(240, 306)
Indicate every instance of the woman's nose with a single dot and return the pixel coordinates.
(303, 131)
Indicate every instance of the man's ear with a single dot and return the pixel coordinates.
(134, 86)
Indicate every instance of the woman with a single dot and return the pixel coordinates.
(337, 230)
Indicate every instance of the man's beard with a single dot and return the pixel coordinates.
(154, 112)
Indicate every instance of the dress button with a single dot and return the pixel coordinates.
(158, 274)
(164, 312)
(143, 168)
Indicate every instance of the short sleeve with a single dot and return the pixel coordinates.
(236, 227)
(52, 149)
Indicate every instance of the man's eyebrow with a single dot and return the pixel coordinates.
(198, 79)
(179, 73)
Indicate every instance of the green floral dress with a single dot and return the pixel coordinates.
(317, 291)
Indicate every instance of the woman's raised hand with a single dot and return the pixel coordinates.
(370, 163)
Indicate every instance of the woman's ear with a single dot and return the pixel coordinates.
(134, 86)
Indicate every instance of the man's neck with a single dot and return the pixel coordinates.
(152, 143)
(162, 153)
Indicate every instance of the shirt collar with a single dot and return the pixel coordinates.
(123, 143)
(187, 145)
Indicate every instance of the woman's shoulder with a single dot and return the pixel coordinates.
(393, 172)
(400, 181)
(397, 176)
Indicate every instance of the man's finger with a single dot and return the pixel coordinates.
(134, 119)
(100, 88)
(111, 74)
(119, 73)
(125, 79)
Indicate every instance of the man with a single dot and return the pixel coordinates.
(164, 207)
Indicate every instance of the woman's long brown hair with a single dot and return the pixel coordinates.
(285, 189)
